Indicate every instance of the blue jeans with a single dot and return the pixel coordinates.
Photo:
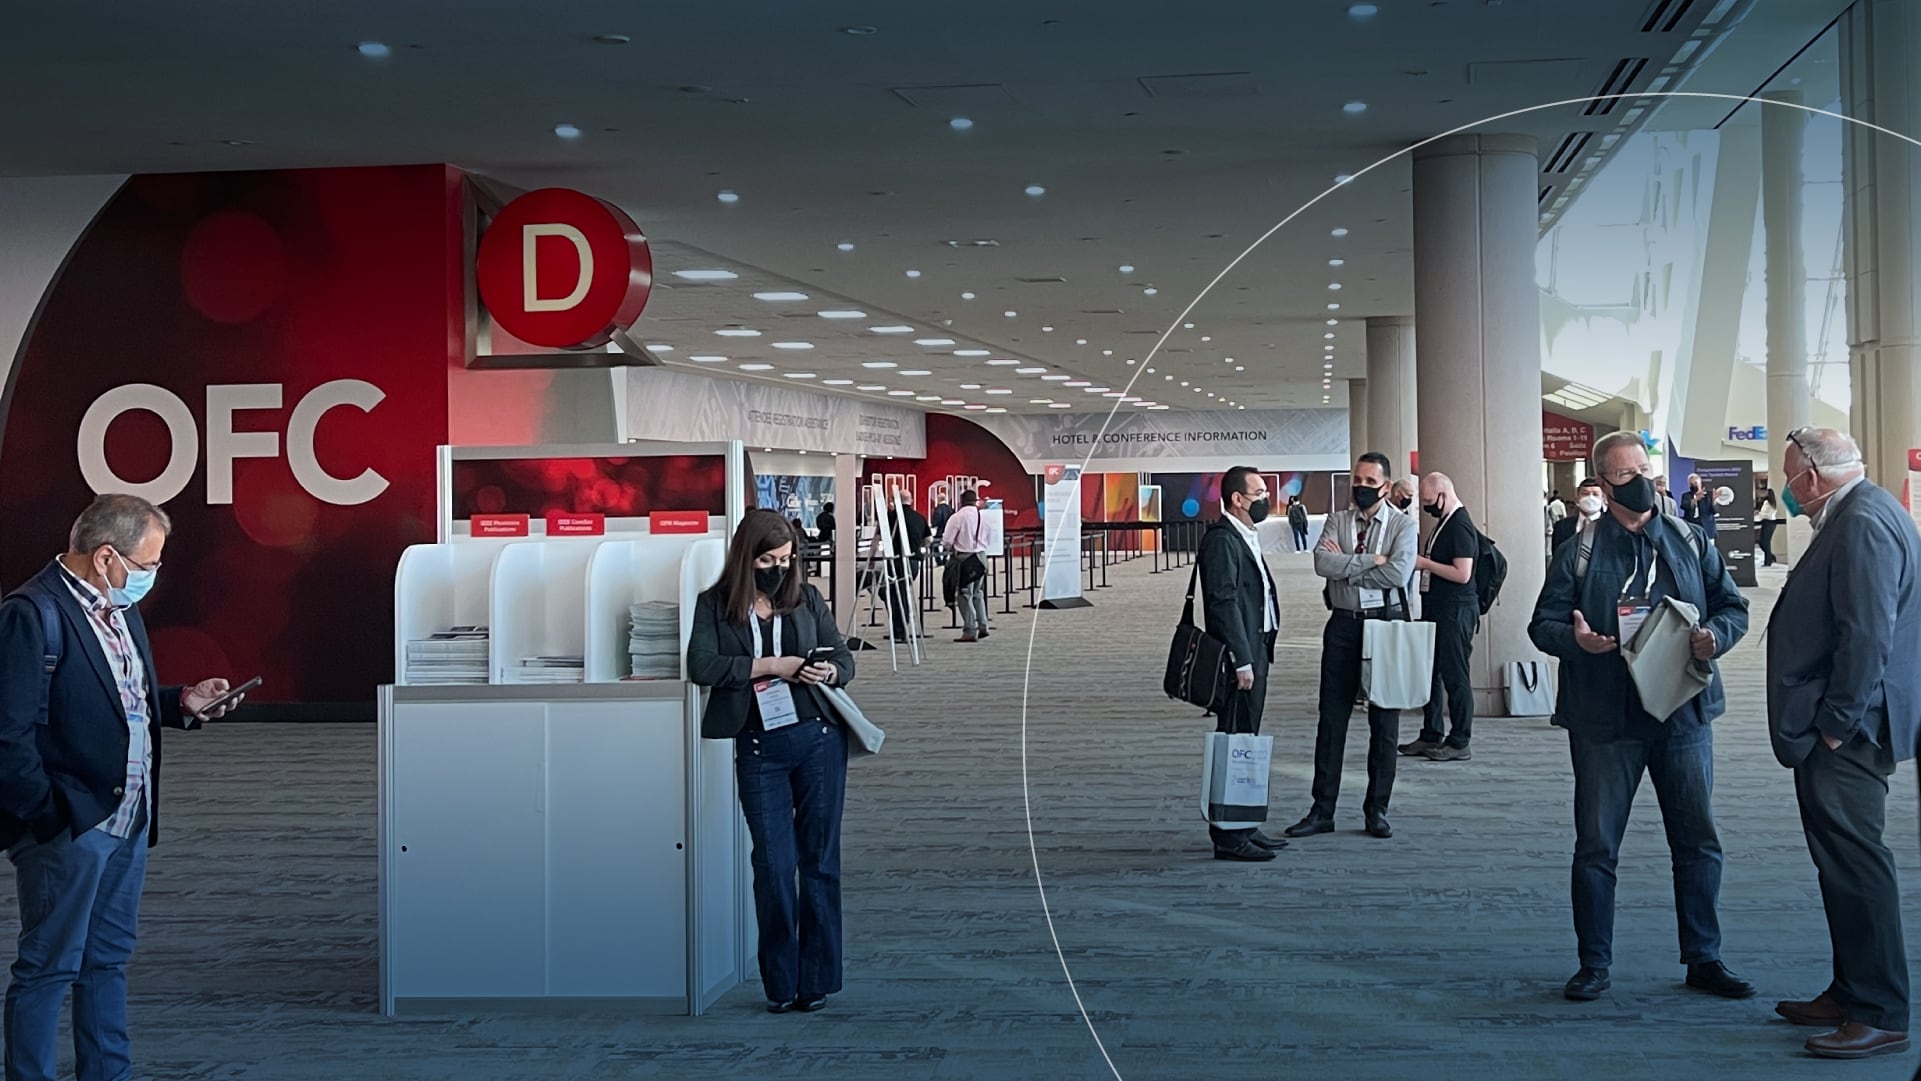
(1606, 775)
(793, 784)
(79, 915)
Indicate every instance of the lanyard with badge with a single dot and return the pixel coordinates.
(1427, 577)
(776, 696)
(1633, 606)
(1369, 598)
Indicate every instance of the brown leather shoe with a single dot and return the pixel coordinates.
(1856, 1040)
(1821, 1012)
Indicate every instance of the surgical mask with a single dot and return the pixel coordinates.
(139, 584)
(1365, 498)
(1258, 510)
(1636, 495)
(769, 579)
(1591, 505)
(1433, 509)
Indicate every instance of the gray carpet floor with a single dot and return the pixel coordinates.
(1438, 954)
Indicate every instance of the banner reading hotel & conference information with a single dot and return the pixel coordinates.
(1062, 516)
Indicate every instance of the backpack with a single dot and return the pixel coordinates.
(50, 634)
(1490, 572)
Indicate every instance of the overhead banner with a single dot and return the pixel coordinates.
(1061, 586)
(1734, 530)
(1267, 437)
(683, 407)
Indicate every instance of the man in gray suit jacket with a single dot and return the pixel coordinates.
(1844, 693)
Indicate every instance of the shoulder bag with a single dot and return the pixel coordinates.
(1197, 662)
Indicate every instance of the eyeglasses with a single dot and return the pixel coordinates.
(1794, 437)
(153, 567)
(1623, 476)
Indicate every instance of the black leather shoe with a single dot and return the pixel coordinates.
(1714, 978)
(1272, 844)
(778, 1007)
(1587, 984)
(811, 1003)
(1377, 826)
(1311, 825)
(1244, 852)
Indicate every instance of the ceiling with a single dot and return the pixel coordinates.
(1166, 139)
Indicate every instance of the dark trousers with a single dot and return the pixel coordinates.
(1300, 538)
(793, 785)
(1767, 542)
(1454, 625)
(1340, 682)
(903, 597)
(1607, 773)
(1242, 713)
(1844, 806)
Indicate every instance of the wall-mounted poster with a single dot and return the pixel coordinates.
(794, 497)
(1734, 531)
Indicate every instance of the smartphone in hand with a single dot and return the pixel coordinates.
(232, 693)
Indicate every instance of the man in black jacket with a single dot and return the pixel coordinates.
(910, 546)
(1243, 610)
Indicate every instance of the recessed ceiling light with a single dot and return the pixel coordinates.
(736, 332)
(1338, 232)
(1333, 307)
(1096, 390)
(1055, 378)
(927, 397)
(1343, 178)
(933, 341)
(728, 197)
(1035, 190)
(1354, 107)
(871, 386)
(1010, 313)
(1107, 352)
(1127, 268)
(567, 131)
(977, 408)
(997, 409)
(706, 275)
(777, 297)
(1079, 383)
(960, 123)
(913, 273)
(967, 296)
(900, 394)
(1150, 291)
(1183, 382)
(1160, 407)
(1240, 367)
(1002, 363)
(1029, 371)
(1000, 390)
(845, 245)
(1040, 401)
(1047, 330)
(837, 382)
(972, 352)
(891, 330)
(374, 50)
(793, 345)
(757, 367)
(1061, 405)
(842, 314)
(708, 360)
(1363, 11)
(915, 371)
(654, 347)
(1170, 379)
(1329, 335)
(970, 386)
(878, 364)
(1080, 341)
(1333, 285)
(1334, 322)
(1337, 262)
(1150, 371)
(802, 375)
(953, 401)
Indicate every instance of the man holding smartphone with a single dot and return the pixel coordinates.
(80, 719)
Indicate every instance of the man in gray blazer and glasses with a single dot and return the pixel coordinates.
(1844, 701)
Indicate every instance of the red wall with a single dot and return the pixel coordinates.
(959, 447)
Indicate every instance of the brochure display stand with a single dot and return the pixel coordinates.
(551, 827)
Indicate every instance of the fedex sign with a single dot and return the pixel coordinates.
(564, 270)
(1756, 434)
(224, 444)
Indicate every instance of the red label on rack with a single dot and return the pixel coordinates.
(677, 521)
(498, 525)
(576, 525)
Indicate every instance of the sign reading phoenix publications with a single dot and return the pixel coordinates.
(1238, 436)
(686, 408)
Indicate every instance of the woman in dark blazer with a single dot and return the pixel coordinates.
(753, 634)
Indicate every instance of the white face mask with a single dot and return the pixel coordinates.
(1591, 505)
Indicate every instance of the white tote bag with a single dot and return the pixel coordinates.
(1530, 689)
(864, 737)
(1397, 662)
(1234, 779)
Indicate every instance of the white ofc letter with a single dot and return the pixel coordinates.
(300, 443)
(183, 455)
(224, 444)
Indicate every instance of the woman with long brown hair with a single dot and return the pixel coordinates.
(763, 640)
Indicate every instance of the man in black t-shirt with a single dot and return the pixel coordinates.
(1448, 601)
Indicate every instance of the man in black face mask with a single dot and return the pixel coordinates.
(1449, 602)
(1366, 553)
(1598, 591)
(1241, 608)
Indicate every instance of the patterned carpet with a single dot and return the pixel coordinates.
(1438, 954)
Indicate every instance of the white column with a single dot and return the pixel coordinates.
(1783, 135)
(847, 531)
(1356, 419)
(1478, 318)
(1880, 55)
(1391, 425)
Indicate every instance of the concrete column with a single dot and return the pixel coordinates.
(1356, 419)
(1783, 133)
(847, 522)
(1478, 328)
(1391, 425)
(1881, 84)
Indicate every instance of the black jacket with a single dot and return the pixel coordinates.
(68, 770)
(1234, 594)
(917, 531)
(720, 656)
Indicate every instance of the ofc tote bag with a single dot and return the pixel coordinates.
(1234, 779)
(1397, 662)
(1530, 689)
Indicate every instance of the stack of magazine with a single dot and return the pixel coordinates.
(653, 640)
(455, 656)
(550, 670)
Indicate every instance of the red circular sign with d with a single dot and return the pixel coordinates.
(562, 269)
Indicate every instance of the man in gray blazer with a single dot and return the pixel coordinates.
(1844, 699)
(1366, 553)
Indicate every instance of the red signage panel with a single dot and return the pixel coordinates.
(576, 525)
(1564, 439)
(677, 521)
(498, 525)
